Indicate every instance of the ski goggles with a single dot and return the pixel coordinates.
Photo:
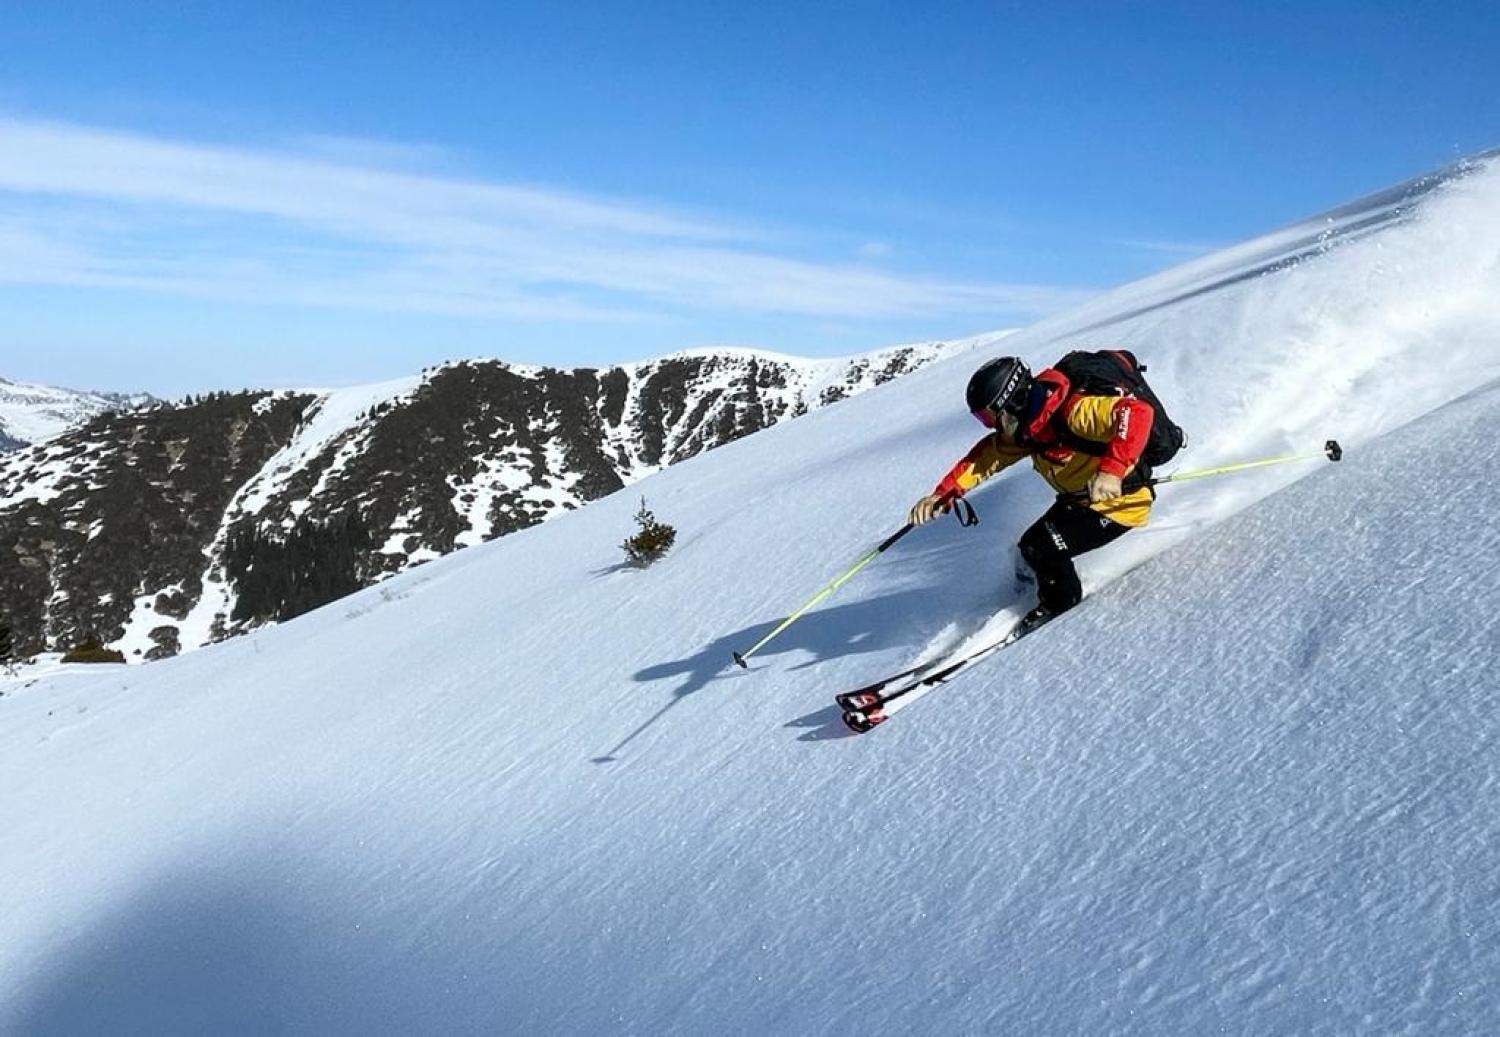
(1015, 406)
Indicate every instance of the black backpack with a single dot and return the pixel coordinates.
(1111, 372)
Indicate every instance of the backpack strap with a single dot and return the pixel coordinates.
(1072, 440)
(1135, 479)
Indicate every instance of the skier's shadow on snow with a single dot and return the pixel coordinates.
(824, 725)
(871, 625)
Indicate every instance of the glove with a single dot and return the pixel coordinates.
(927, 509)
(1103, 486)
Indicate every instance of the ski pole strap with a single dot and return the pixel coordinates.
(965, 513)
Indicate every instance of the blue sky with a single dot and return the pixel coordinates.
(220, 195)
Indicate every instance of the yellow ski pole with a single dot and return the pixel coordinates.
(1331, 450)
(839, 581)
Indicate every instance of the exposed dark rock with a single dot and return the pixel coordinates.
(166, 643)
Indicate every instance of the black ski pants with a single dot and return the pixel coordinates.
(1067, 530)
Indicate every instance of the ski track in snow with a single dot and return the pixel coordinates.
(1249, 786)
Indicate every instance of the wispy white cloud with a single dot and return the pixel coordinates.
(333, 224)
(384, 154)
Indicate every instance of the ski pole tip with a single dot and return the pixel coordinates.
(1333, 450)
(741, 660)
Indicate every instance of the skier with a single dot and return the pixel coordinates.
(1086, 436)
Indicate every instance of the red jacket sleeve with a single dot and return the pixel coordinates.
(1132, 427)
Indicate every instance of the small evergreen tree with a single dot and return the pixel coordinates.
(651, 539)
(7, 645)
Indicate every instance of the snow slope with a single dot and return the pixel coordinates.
(1248, 787)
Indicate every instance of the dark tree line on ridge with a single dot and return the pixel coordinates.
(279, 577)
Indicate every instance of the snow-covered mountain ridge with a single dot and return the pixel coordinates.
(166, 529)
(1247, 787)
(36, 413)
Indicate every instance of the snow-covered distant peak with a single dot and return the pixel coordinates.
(36, 413)
(932, 348)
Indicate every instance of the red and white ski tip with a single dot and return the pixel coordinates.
(860, 720)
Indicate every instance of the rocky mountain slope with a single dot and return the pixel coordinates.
(169, 528)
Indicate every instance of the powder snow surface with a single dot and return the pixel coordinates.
(1249, 786)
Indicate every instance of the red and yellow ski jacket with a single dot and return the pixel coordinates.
(1120, 424)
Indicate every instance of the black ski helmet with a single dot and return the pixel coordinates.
(1002, 384)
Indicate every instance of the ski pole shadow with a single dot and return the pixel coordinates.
(855, 628)
(612, 755)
